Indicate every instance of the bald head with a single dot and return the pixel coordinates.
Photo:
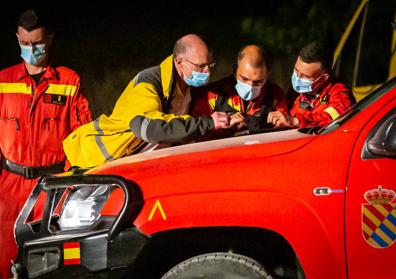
(253, 55)
(252, 65)
(191, 45)
(191, 54)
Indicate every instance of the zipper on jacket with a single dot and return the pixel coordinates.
(29, 86)
(33, 86)
(18, 128)
(47, 120)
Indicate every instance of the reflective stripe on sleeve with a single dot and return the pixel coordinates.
(332, 112)
(143, 129)
(99, 141)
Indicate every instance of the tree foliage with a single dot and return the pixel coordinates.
(294, 23)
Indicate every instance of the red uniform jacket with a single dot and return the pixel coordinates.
(334, 100)
(222, 96)
(34, 120)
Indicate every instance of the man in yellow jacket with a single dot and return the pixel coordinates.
(153, 108)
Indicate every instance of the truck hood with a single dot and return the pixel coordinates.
(295, 139)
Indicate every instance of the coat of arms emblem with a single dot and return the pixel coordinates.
(379, 217)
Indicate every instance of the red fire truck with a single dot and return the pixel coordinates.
(307, 203)
(302, 203)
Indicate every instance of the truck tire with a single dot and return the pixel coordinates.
(219, 266)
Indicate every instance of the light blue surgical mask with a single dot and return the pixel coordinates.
(301, 85)
(197, 79)
(33, 55)
(247, 92)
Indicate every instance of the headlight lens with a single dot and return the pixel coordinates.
(83, 205)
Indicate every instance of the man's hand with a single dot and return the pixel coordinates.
(238, 121)
(280, 120)
(221, 120)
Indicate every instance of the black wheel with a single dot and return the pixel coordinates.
(218, 266)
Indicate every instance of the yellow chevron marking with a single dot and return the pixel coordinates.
(156, 206)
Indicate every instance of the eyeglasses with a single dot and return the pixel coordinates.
(202, 67)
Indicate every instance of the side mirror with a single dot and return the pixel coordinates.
(383, 142)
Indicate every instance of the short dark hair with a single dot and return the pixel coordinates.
(33, 19)
(317, 52)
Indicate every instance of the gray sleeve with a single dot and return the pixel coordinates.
(177, 130)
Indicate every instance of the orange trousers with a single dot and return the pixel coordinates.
(14, 191)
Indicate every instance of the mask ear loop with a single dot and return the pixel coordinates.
(316, 85)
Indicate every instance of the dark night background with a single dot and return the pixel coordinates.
(108, 43)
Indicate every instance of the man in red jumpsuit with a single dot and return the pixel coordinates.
(320, 99)
(247, 95)
(39, 106)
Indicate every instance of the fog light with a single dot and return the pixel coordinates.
(43, 260)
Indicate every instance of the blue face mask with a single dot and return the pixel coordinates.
(197, 79)
(246, 91)
(301, 85)
(33, 55)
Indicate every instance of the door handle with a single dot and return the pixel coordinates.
(325, 191)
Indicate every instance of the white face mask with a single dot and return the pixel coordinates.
(248, 92)
(33, 55)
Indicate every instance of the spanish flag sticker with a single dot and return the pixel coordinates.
(71, 253)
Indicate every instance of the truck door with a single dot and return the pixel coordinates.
(370, 206)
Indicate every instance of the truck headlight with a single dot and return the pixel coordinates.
(83, 205)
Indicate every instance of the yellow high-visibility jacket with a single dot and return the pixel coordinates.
(140, 115)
